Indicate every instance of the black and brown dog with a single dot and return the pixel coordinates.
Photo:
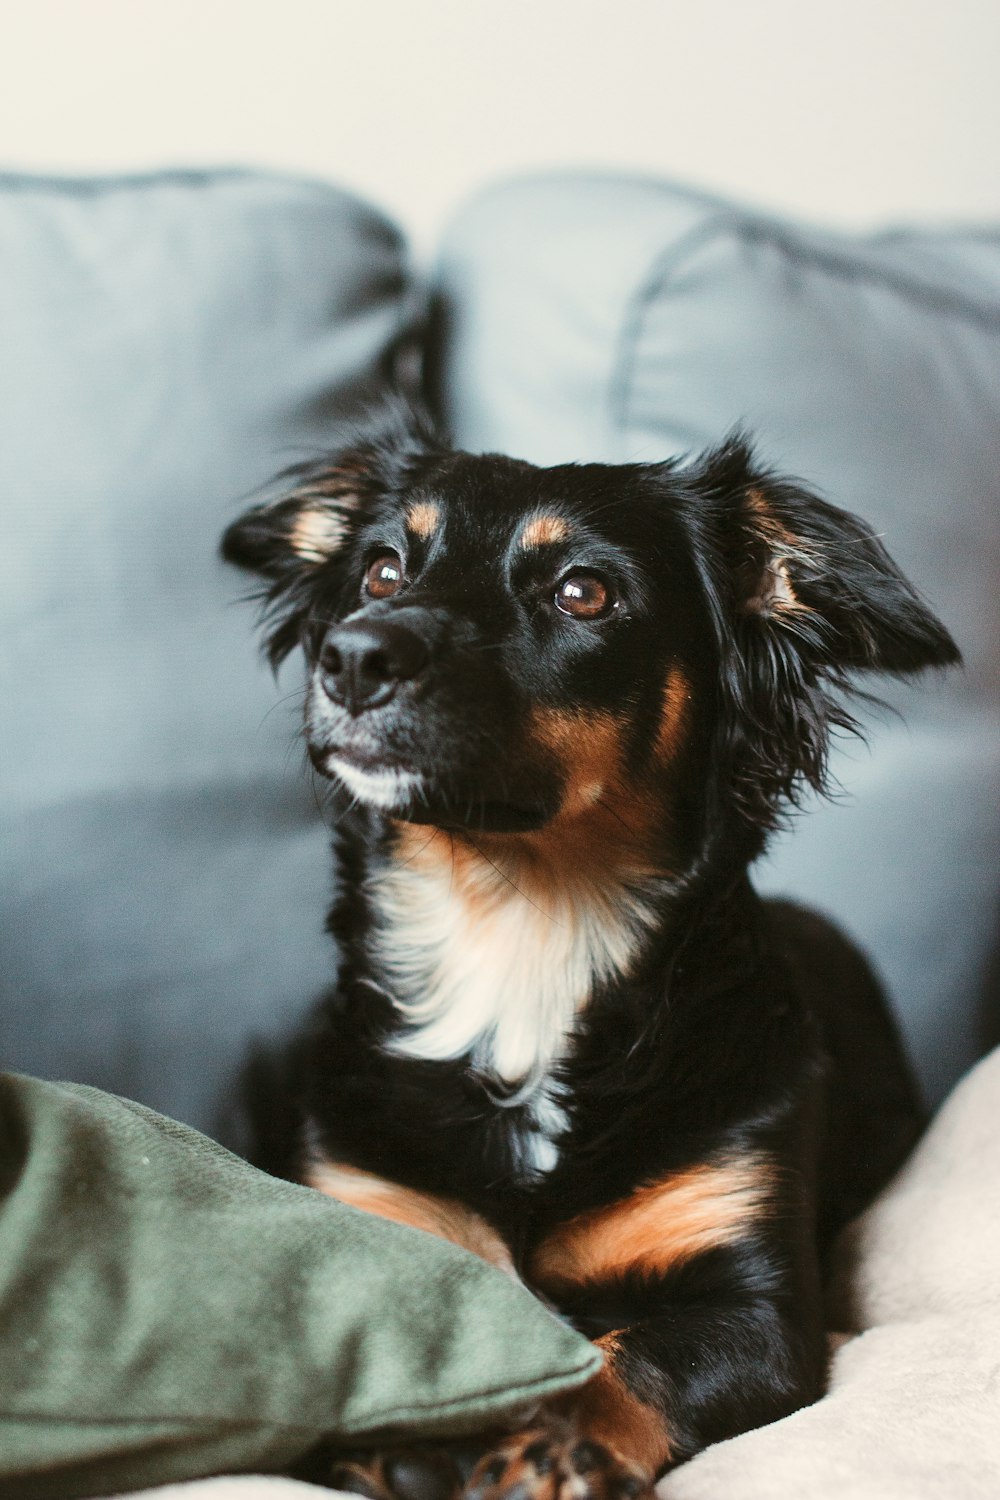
(564, 708)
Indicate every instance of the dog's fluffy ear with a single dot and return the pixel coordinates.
(298, 536)
(289, 540)
(305, 527)
(309, 521)
(819, 573)
(804, 596)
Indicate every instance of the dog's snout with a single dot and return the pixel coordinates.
(363, 662)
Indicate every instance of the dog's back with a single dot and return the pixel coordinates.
(873, 1114)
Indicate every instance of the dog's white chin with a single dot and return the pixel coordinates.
(386, 789)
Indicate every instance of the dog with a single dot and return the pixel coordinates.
(562, 710)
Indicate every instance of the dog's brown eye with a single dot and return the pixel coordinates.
(584, 596)
(384, 576)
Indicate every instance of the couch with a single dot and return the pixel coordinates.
(171, 341)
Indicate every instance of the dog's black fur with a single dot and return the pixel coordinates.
(587, 694)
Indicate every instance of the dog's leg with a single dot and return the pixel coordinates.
(712, 1291)
(604, 1442)
(445, 1217)
(600, 1443)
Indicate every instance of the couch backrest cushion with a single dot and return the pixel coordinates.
(168, 344)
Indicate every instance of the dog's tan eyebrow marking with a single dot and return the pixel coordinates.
(317, 532)
(659, 1226)
(446, 1218)
(423, 519)
(543, 530)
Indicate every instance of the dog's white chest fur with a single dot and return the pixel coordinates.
(495, 967)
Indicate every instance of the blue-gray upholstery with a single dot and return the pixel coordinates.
(615, 319)
(168, 343)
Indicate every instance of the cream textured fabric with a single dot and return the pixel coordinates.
(236, 1487)
(913, 1409)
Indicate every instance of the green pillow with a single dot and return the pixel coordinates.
(166, 1311)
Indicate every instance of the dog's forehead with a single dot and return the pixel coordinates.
(500, 502)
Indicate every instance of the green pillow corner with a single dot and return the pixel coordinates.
(167, 1311)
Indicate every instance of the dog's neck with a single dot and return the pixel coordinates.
(492, 947)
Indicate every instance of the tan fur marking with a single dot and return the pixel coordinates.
(587, 748)
(767, 522)
(673, 715)
(317, 533)
(775, 593)
(444, 1217)
(606, 1411)
(601, 833)
(606, 825)
(657, 1227)
(543, 530)
(423, 519)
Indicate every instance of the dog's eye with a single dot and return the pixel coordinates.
(384, 576)
(584, 596)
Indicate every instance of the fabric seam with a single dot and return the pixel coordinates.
(667, 264)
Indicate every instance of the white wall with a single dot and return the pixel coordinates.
(853, 110)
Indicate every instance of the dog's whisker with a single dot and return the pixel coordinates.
(422, 849)
(513, 883)
(279, 703)
(323, 794)
(603, 802)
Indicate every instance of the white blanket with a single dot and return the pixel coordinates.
(913, 1407)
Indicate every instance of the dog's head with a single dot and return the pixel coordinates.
(498, 647)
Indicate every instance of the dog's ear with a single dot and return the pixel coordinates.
(804, 596)
(291, 540)
(801, 566)
(296, 540)
(305, 527)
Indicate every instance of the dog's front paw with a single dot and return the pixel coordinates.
(399, 1474)
(556, 1463)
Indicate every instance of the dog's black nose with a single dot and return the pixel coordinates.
(362, 662)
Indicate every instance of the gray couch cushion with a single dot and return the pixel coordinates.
(168, 344)
(604, 318)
